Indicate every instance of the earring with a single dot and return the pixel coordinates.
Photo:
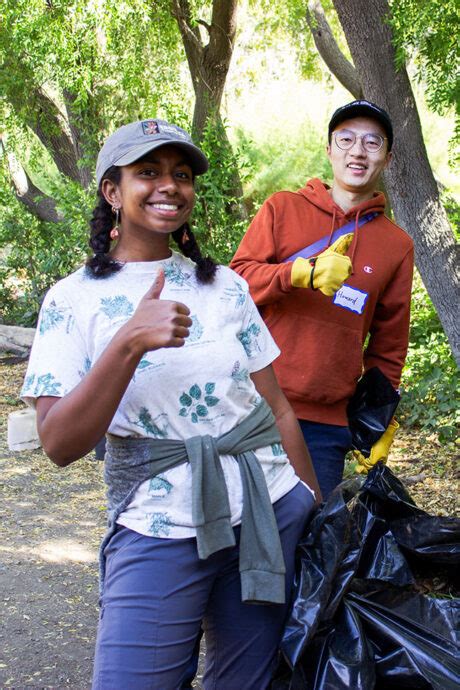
(185, 237)
(114, 233)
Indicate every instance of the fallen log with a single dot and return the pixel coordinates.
(16, 340)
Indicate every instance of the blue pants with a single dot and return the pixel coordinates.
(328, 444)
(156, 595)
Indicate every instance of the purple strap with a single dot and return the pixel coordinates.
(322, 243)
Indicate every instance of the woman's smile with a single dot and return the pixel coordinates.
(168, 210)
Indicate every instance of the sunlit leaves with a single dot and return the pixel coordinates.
(428, 32)
(117, 61)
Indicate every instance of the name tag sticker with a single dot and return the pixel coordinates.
(350, 298)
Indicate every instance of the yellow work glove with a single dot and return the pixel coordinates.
(327, 271)
(379, 450)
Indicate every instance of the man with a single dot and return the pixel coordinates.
(321, 310)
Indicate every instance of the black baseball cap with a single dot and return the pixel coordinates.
(362, 109)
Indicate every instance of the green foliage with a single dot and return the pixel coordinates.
(217, 218)
(453, 211)
(430, 385)
(110, 61)
(34, 254)
(427, 31)
(285, 161)
(286, 22)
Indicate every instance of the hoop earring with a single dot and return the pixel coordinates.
(115, 231)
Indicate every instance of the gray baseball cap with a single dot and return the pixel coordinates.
(131, 142)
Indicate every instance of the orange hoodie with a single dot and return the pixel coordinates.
(322, 338)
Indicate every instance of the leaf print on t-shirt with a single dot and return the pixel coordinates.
(50, 317)
(44, 385)
(159, 487)
(195, 403)
(239, 375)
(160, 524)
(86, 367)
(238, 293)
(248, 339)
(196, 329)
(114, 307)
(146, 423)
(146, 365)
(274, 470)
(175, 274)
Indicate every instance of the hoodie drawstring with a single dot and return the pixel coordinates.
(355, 242)
(334, 212)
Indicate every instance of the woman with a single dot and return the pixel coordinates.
(169, 355)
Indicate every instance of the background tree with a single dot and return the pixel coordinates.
(208, 63)
(222, 216)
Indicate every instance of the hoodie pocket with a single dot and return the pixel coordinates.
(320, 361)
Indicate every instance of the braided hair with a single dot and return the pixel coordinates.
(101, 265)
(206, 267)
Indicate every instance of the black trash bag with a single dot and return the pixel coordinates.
(370, 409)
(358, 619)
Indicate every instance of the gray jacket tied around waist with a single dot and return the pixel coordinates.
(131, 461)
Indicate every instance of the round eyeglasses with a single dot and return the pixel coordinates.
(345, 139)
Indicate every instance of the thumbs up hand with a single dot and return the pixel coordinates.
(326, 272)
(157, 323)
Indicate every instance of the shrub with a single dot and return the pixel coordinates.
(285, 161)
(430, 385)
(35, 254)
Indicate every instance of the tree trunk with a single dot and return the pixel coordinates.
(51, 124)
(52, 127)
(60, 137)
(209, 65)
(337, 63)
(413, 191)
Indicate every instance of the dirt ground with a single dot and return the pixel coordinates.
(51, 523)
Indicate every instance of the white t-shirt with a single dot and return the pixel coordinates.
(175, 393)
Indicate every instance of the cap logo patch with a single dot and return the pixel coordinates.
(175, 131)
(150, 127)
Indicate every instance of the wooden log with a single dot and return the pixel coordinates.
(16, 339)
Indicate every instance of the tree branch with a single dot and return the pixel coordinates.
(56, 135)
(38, 203)
(190, 36)
(205, 24)
(46, 119)
(330, 52)
(208, 64)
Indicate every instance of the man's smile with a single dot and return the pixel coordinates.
(357, 166)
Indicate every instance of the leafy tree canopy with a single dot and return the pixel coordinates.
(105, 61)
(427, 31)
